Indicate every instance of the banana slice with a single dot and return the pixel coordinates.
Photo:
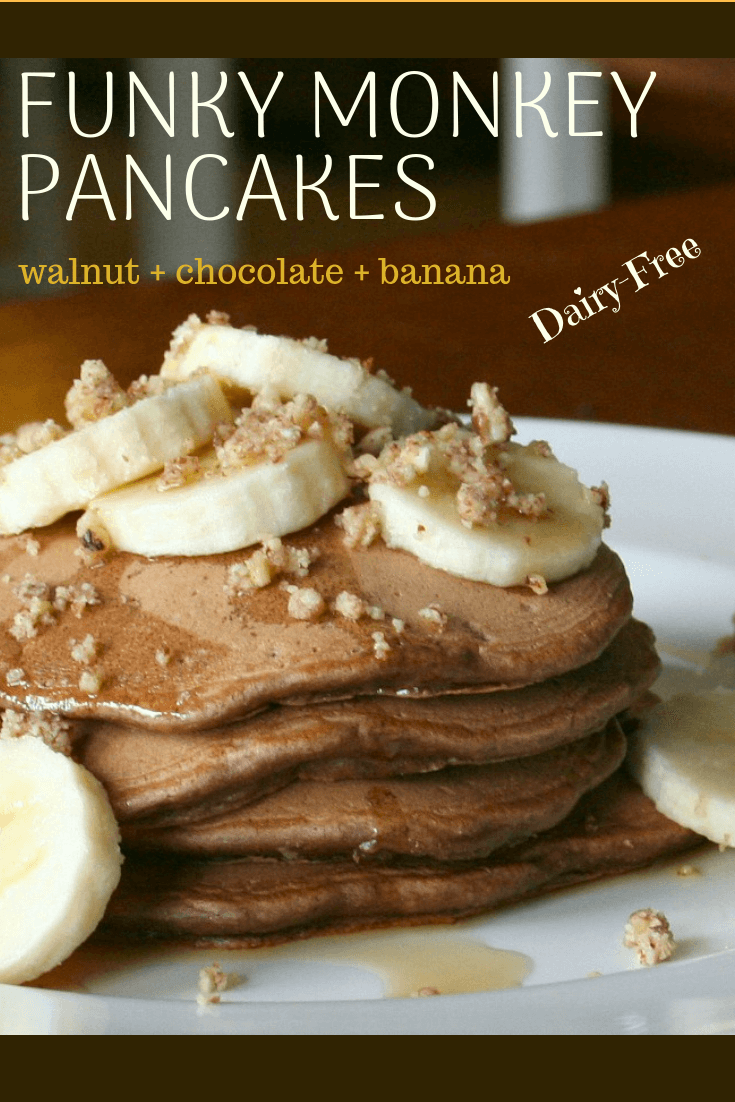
(222, 512)
(59, 857)
(38, 488)
(257, 362)
(422, 517)
(683, 757)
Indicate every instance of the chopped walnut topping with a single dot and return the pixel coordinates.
(601, 496)
(25, 623)
(38, 610)
(269, 429)
(434, 616)
(542, 448)
(163, 657)
(51, 729)
(177, 472)
(212, 982)
(381, 647)
(77, 597)
(648, 932)
(537, 584)
(31, 546)
(149, 386)
(94, 395)
(289, 560)
(361, 467)
(398, 626)
(28, 438)
(374, 441)
(15, 677)
(86, 651)
(452, 454)
(217, 317)
(305, 604)
(182, 337)
(360, 524)
(91, 682)
(266, 564)
(489, 419)
(350, 606)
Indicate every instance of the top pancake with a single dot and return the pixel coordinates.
(233, 656)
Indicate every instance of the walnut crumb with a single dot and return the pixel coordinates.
(648, 932)
(381, 647)
(37, 611)
(31, 546)
(163, 657)
(350, 606)
(270, 428)
(94, 395)
(537, 584)
(360, 524)
(15, 677)
(212, 982)
(399, 626)
(51, 729)
(76, 597)
(86, 651)
(305, 604)
(91, 682)
(434, 616)
(28, 438)
(179, 472)
(266, 564)
(601, 496)
(489, 419)
(149, 386)
(427, 993)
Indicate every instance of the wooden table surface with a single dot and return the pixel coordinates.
(664, 359)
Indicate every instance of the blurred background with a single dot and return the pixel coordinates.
(686, 139)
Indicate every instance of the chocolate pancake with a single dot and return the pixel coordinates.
(255, 901)
(452, 815)
(233, 656)
(188, 776)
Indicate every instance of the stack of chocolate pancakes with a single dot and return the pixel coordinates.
(276, 777)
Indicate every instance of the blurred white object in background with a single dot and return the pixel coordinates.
(544, 177)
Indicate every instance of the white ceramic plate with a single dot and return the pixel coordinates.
(674, 524)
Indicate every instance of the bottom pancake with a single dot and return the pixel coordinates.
(247, 902)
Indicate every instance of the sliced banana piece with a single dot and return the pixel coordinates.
(37, 489)
(222, 512)
(59, 857)
(257, 362)
(683, 757)
(422, 518)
